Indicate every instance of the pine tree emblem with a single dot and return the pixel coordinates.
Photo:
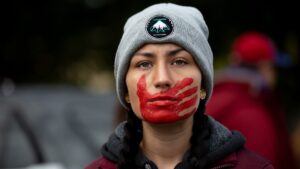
(159, 26)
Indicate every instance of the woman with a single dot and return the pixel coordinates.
(164, 72)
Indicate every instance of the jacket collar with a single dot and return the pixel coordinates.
(222, 143)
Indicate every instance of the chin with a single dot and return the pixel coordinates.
(165, 118)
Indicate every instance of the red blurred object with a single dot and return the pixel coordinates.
(254, 47)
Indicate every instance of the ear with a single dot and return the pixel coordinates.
(202, 94)
(127, 98)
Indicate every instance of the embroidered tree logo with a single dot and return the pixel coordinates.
(159, 26)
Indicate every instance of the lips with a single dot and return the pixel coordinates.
(162, 101)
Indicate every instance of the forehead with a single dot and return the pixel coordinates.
(158, 46)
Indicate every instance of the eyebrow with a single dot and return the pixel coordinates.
(169, 53)
(174, 52)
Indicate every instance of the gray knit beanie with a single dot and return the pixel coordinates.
(165, 23)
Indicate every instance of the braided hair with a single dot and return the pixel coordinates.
(199, 140)
(133, 137)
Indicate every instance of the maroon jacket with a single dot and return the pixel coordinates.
(225, 150)
(242, 159)
(241, 102)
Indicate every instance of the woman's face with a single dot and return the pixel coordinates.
(163, 83)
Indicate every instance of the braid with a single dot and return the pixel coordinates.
(199, 141)
(132, 139)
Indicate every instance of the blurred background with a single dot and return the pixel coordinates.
(57, 98)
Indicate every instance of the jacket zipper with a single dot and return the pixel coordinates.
(223, 166)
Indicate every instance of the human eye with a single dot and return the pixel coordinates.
(179, 62)
(144, 65)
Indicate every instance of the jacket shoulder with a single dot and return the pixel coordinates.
(102, 163)
(250, 160)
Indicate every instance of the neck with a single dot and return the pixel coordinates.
(165, 144)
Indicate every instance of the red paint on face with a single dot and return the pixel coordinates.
(166, 106)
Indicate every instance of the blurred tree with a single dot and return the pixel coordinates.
(43, 40)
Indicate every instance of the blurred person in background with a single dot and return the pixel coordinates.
(245, 99)
(164, 73)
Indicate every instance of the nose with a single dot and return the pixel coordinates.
(162, 78)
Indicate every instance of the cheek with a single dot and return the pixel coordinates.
(132, 92)
(134, 103)
(198, 79)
